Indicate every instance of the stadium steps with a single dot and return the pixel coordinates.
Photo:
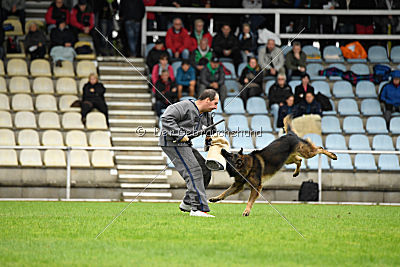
(130, 108)
(36, 9)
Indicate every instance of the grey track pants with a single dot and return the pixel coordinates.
(191, 166)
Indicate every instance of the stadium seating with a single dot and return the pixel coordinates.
(233, 87)
(52, 138)
(19, 85)
(241, 68)
(3, 85)
(394, 125)
(395, 54)
(342, 163)
(46, 103)
(313, 69)
(100, 139)
(268, 85)
(43, 85)
(382, 142)
(233, 105)
(54, 158)
(219, 109)
(66, 86)
(330, 124)
(4, 102)
(67, 70)
(240, 141)
(342, 89)
(7, 137)
(365, 89)
(398, 143)
(293, 84)
(76, 138)
(16, 27)
(360, 69)
(313, 54)
(230, 67)
(335, 142)
(49, 120)
(376, 125)
(388, 162)
(40, 67)
(71, 120)
(359, 142)
(5, 120)
(199, 141)
(30, 158)
(315, 138)
(370, 107)
(332, 54)
(261, 123)
(340, 67)
(84, 56)
(82, 83)
(352, 125)
(2, 71)
(148, 48)
(347, 107)
(264, 140)
(256, 105)
(364, 162)
(66, 101)
(28, 137)
(25, 120)
(220, 127)
(377, 54)
(84, 68)
(330, 112)
(238, 123)
(175, 66)
(8, 157)
(80, 159)
(102, 159)
(17, 67)
(322, 87)
(96, 121)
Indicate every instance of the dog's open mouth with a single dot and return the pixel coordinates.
(214, 165)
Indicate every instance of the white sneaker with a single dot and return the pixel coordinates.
(199, 213)
(184, 207)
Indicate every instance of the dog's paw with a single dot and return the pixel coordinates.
(334, 157)
(214, 199)
(295, 174)
(246, 213)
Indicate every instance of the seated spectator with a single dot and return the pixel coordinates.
(167, 88)
(199, 33)
(186, 78)
(177, 40)
(212, 76)
(307, 106)
(93, 97)
(131, 13)
(201, 56)
(225, 44)
(14, 8)
(56, 12)
(303, 88)
(62, 42)
(285, 110)
(271, 59)
(278, 93)
(153, 56)
(250, 81)
(295, 61)
(35, 42)
(390, 96)
(158, 68)
(247, 43)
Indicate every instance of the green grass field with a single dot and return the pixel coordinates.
(148, 234)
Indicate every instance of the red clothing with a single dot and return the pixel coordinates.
(77, 18)
(155, 74)
(194, 44)
(150, 15)
(177, 41)
(49, 14)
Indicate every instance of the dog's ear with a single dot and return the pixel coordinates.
(241, 151)
(225, 153)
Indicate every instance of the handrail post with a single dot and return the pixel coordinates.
(277, 23)
(144, 33)
(68, 185)
(319, 178)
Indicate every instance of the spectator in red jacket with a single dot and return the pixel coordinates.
(199, 33)
(56, 12)
(178, 40)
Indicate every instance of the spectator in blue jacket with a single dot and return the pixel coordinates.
(285, 110)
(390, 96)
(307, 106)
(186, 78)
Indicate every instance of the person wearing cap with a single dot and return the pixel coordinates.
(213, 76)
(390, 96)
(155, 53)
(303, 88)
(186, 78)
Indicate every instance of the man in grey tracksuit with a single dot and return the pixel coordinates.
(178, 121)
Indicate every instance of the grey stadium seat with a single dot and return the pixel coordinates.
(352, 125)
(382, 142)
(365, 162)
(359, 142)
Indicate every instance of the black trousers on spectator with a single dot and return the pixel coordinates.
(89, 105)
(249, 92)
(19, 13)
(389, 109)
(160, 105)
(39, 52)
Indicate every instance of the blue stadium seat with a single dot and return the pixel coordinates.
(286, 49)
(233, 87)
(261, 123)
(395, 54)
(332, 54)
(342, 89)
(330, 112)
(233, 105)
(238, 123)
(370, 107)
(330, 124)
(322, 87)
(312, 53)
(293, 84)
(348, 107)
(377, 54)
(366, 89)
(240, 141)
(312, 163)
(342, 163)
(381, 85)
(388, 162)
(219, 109)
(256, 105)
(198, 142)
(395, 125)
(352, 125)
(241, 68)
(229, 66)
(148, 48)
(268, 85)
(315, 138)
(335, 142)
(313, 69)
(340, 67)
(359, 142)
(220, 127)
(360, 69)
(398, 143)
(376, 125)
(365, 162)
(176, 66)
(264, 140)
(382, 142)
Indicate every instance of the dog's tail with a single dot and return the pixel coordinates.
(287, 124)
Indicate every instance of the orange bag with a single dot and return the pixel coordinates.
(354, 50)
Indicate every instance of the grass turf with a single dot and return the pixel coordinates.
(149, 234)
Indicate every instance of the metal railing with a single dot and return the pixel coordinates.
(278, 12)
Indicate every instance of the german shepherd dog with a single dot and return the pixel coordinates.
(261, 165)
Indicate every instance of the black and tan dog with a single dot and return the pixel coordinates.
(261, 165)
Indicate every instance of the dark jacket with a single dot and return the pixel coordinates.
(277, 94)
(131, 10)
(248, 44)
(250, 74)
(34, 38)
(60, 37)
(166, 90)
(303, 108)
(293, 63)
(83, 19)
(221, 43)
(55, 14)
(207, 77)
(154, 57)
(93, 92)
(300, 93)
(283, 112)
(390, 94)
